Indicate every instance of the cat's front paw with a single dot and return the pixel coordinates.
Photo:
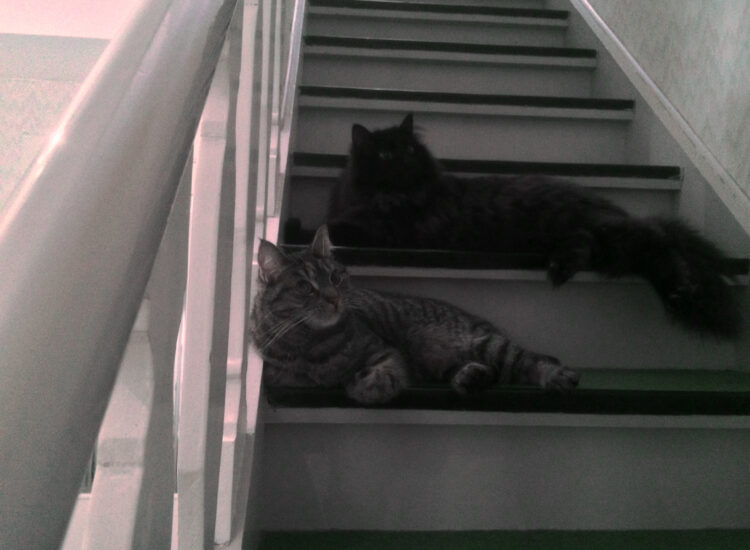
(472, 378)
(376, 385)
(558, 378)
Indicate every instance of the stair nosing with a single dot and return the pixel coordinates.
(618, 400)
(447, 47)
(568, 63)
(614, 106)
(506, 20)
(391, 258)
(442, 8)
(518, 167)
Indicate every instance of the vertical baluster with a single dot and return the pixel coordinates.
(232, 446)
(206, 315)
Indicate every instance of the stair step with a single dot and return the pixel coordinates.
(634, 176)
(600, 391)
(641, 190)
(622, 321)
(509, 27)
(464, 260)
(703, 539)
(525, 128)
(342, 61)
(445, 8)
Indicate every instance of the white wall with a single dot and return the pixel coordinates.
(698, 54)
(79, 18)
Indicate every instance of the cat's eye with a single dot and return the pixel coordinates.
(337, 277)
(303, 287)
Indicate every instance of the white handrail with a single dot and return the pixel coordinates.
(77, 242)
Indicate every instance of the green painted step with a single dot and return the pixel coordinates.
(704, 539)
(600, 391)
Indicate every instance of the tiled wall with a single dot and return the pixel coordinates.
(698, 54)
(39, 76)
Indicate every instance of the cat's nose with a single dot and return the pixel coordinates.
(331, 296)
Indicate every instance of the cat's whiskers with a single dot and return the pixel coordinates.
(282, 328)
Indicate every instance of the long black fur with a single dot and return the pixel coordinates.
(393, 193)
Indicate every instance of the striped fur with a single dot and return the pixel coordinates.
(314, 330)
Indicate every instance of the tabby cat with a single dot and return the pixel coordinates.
(394, 194)
(314, 330)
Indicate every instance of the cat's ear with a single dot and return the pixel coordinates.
(271, 261)
(407, 125)
(360, 136)
(321, 245)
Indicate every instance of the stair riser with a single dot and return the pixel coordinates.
(420, 74)
(404, 477)
(467, 136)
(586, 323)
(445, 28)
(308, 199)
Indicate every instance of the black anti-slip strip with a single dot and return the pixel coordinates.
(454, 259)
(440, 8)
(501, 167)
(468, 99)
(451, 47)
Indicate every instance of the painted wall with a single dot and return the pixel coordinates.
(698, 53)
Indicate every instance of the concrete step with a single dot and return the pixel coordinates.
(375, 19)
(642, 190)
(440, 67)
(522, 128)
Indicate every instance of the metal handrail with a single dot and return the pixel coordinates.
(77, 243)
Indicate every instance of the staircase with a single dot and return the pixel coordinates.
(656, 438)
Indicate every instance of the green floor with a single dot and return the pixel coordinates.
(509, 540)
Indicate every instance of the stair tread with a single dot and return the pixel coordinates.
(706, 539)
(453, 47)
(441, 8)
(468, 99)
(601, 391)
(569, 169)
(455, 259)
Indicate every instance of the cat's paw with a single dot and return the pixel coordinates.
(376, 385)
(558, 378)
(472, 378)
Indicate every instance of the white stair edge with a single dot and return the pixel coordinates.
(594, 182)
(515, 60)
(395, 15)
(346, 103)
(303, 415)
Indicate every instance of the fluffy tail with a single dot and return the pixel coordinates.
(689, 273)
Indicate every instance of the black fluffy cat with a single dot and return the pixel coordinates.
(314, 330)
(394, 194)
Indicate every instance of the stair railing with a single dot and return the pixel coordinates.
(78, 242)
